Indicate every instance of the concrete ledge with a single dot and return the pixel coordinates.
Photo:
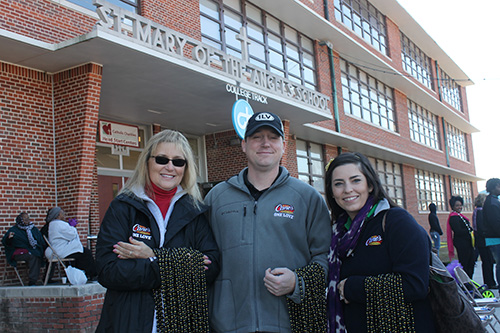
(52, 291)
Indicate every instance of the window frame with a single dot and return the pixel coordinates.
(424, 126)
(359, 16)
(387, 170)
(450, 90)
(309, 174)
(457, 143)
(415, 62)
(463, 188)
(433, 190)
(375, 99)
(303, 44)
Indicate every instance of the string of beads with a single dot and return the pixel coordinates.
(310, 314)
(386, 309)
(181, 301)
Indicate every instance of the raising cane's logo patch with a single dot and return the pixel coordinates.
(374, 240)
(139, 231)
(284, 210)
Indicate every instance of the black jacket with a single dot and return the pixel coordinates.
(491, 217)
(404, 248)
(129, 303)
(434, 223)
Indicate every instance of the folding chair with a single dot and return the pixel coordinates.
(482, 306)
(15, 269)
(54, 258)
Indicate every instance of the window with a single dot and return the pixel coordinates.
(424, 126)
(464, 189)
(430, 188)
(131, 5)
(367, 98)
(274, 46)
(391, 178)
(310, 164)
(416, 62)
(365, 20)
(457, 144)
(450, 90)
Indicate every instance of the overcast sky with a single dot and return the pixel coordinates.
(469, 32)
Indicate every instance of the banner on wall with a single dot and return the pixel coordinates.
(118, 134)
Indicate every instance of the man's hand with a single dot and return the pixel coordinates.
(279, 281)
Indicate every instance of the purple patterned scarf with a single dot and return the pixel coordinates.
(343, 243)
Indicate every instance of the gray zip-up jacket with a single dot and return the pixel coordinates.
(289, 226)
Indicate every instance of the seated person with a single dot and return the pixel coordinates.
(65, 241)
(24, 242)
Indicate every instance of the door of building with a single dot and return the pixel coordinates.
(108, 189)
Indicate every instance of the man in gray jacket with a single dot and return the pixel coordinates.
(268, 225)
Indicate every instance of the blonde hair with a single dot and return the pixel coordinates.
(140, 177)
(479, 200)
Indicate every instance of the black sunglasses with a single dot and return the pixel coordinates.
(162, 160)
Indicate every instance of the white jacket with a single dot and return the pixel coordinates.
(64, 239)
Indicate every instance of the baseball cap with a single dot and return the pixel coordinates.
(260, 119)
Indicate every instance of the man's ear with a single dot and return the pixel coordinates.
(243, 146)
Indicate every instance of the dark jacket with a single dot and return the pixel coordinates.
(434, 221)
(405, 249)
(129, 303)
(479, 232)
(491, 217)
(20, 241)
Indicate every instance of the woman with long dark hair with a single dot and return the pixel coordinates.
(379, 255)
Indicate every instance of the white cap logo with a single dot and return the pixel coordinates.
(264, 117)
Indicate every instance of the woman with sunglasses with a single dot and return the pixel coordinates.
(155, 239)
(378, 275)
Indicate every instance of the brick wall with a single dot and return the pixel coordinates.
(76, 105)
(51, 309)
(27, 180)
(26, 154)
(43, 20)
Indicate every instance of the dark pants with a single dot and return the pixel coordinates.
(495, 251)
(34, 264)
(85, 261)
(466, 256)
(487, 265)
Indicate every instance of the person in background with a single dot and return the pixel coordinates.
(24, 242)
(65, 241)
(491, 219)
(155, 250)
(378, 276)
(484, 251)
(435, 228)
(460, 235)
(273, 232)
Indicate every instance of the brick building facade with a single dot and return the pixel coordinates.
(343, 75)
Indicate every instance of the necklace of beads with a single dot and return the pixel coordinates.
(310, 314)
(181, 301)
(386, 309)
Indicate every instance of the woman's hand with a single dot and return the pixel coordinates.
(133, 250)
(206, 261)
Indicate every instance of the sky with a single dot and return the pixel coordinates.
(469, 32)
